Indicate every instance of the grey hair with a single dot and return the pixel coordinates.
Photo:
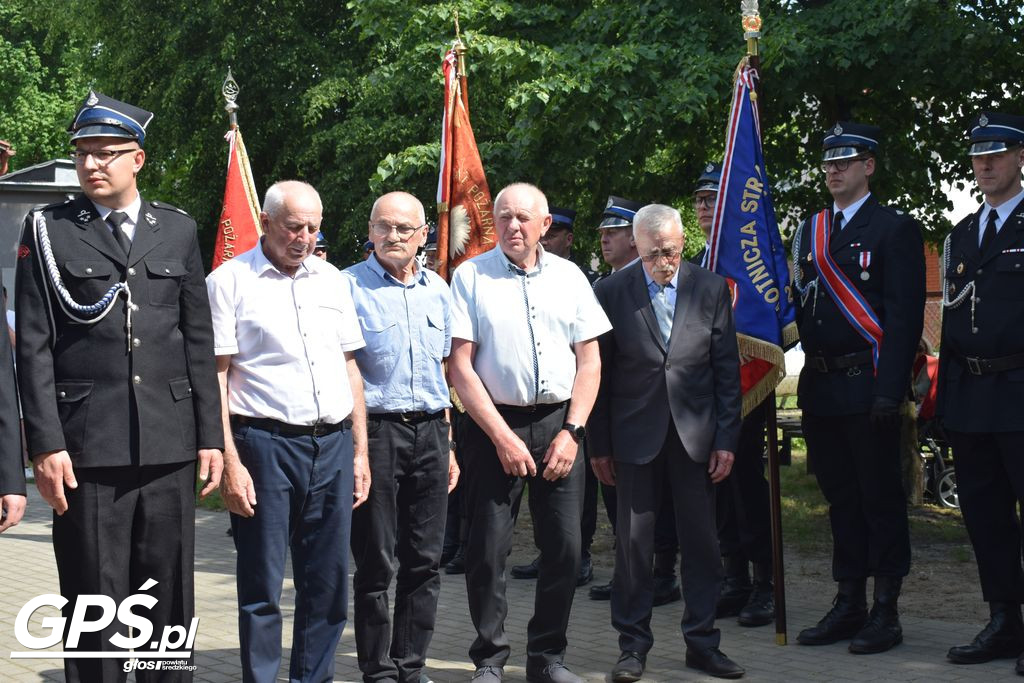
(656, 218)
(273, 201)
(542, 204)
(394, 195)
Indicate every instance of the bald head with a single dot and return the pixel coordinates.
(402, 201)
(521, 218)
(278, 194)
(391, 215)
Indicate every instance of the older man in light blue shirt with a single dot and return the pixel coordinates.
(405, 312)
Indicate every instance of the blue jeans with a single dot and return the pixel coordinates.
(304, 502)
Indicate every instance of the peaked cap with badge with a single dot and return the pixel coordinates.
(618, 213)
(102, 116)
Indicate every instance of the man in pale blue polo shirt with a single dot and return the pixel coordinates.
(404, 311)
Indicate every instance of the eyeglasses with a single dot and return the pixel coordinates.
(404, 231)
(839, 164)
(658, 254)
(102, 156)
(709, 202)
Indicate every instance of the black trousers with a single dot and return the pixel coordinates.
(990, 484)
(125, 525)
(744, 526)
(555, 507)
(641, 490)
(400, 529)
(858, 470)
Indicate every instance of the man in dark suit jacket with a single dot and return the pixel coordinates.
(12, 474)
(868, 270)
(668, 409)
(981, 369)
(118, 381)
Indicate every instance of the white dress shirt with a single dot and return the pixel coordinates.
(1003, 212)
(850, 211)
(524, 324)
(132, 211)
(286, 338)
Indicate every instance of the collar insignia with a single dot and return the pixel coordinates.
(84, 216)
(150, 219)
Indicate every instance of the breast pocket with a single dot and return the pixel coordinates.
(87, 281)
(435, 336)
(164, 279)
(1009, 279)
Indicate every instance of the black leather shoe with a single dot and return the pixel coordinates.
(666, 590)
(760, 608)
(526, 571)
(457, 565)
(1020, 666)
(736, 587)
(601, 591)
(713, 662)
(629, 668)
(586, 574)
(1002, 637)
(844, 620)
(882, 631)
(554, 673)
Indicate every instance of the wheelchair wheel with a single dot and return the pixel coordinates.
(946, 493)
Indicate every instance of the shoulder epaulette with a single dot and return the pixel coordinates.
(167, 207)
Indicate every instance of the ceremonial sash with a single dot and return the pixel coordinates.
(853, 306)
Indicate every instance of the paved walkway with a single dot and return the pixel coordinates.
(27, 563)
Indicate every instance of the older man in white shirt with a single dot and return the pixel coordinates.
(526, 365)
(285, 332)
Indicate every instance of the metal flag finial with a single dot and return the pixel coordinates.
(751, 24)
(230, 92)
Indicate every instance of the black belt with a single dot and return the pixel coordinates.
(266, 424)
(833, 363)
(988, 366)
(411, 417)
(536, 408)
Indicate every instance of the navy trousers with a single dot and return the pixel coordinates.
(303, 503)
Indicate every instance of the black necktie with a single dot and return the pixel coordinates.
(116, 220)
(837, 224)
(989, 236)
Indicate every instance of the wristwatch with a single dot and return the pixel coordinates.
(577, 431)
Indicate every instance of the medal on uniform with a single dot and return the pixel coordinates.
(865, 261)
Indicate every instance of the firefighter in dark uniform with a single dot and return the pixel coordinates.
(859, 272)
(118, 384)
(981, 378)
(741, 501)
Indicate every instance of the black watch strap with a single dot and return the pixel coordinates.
(577, 431)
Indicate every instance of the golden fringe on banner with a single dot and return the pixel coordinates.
(247, 181)
(758, 348)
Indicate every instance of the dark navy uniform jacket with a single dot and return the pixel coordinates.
(86, 388)
(895, 290)
(989, 402)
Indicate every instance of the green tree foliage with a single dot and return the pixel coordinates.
(40, 85)
(584, 98)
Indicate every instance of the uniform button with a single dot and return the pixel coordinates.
(88, 270)
(974, 330)
(190, 390)
(980, 271)
(817, 322)
(977, 299)
(137, 379)
(131, 271)
(136, 342)
(63, 394)
(135, 307)
(668, 365)
(167, 271)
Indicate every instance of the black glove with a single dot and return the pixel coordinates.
(885, 413)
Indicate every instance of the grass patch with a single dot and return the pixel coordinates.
(211, 502)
